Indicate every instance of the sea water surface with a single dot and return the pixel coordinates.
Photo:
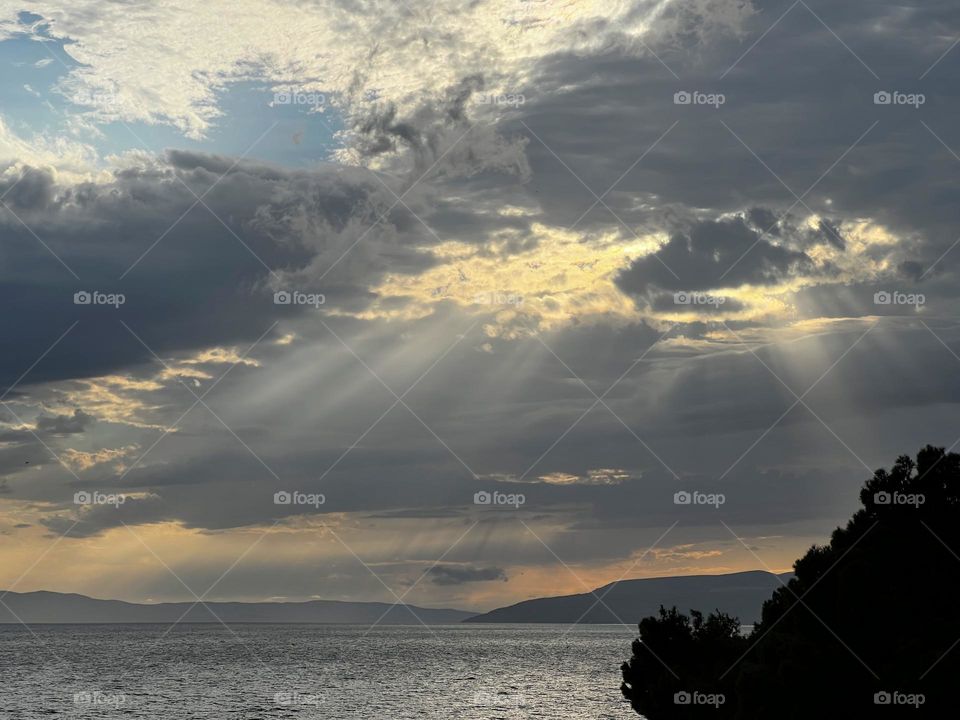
(248, 672)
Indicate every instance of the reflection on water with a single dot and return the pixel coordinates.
(313, 671)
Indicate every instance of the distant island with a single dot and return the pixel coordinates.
(53, 607)
(628, 601)
(741, 594)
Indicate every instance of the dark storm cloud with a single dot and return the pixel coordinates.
(798, 115)
(196, 273)
(440, 137)
(93, 519)
(698, 260)
(198, 285)
(33, 190)
(7, 436)
(207, 478)
(683, 417)
(458, 575)
(23, 447)
(192, 290)
(64, 424)
(381, 131)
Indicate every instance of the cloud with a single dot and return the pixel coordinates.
(92, 520)
(74, 160)
(156, 69)
(32, 190)
(596, 476)
(223, 295)
(64, 424)
(512, 264)
(458, 575)
(79, 460)
(714, 254)
(683, 553)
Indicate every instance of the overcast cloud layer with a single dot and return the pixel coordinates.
(581, 255)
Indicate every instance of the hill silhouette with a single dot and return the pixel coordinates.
(70, 608)
(740, 594)
(867, 627)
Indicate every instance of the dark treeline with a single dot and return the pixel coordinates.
(866, 628)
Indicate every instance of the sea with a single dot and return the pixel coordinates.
(254, 672)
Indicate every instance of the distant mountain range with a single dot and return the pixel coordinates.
(738, 594)
(52, 607)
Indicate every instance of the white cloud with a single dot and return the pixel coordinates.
(72, 159)
(165, 62)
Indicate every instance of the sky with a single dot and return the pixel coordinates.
(464, 303)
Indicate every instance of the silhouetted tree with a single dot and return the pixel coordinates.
(872, 616)
(702, 648)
